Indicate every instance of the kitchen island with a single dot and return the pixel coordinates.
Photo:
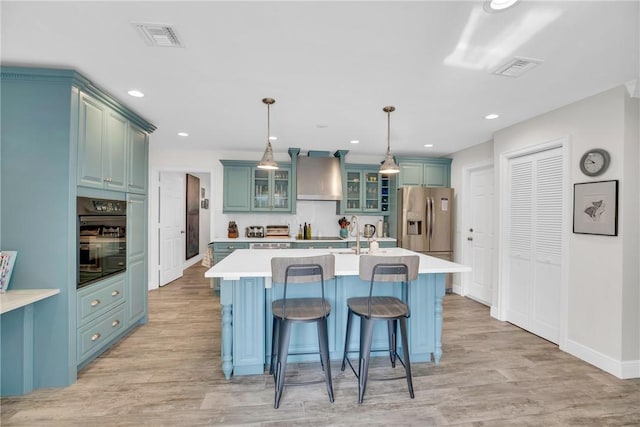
(246, 294)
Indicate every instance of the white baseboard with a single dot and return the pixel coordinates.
(621, 369)
(191, 261)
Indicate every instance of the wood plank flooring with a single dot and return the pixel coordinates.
(168, 373)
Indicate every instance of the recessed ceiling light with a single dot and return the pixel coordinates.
(495, 6)
(428, 145)
(491, 116)
(183, 134)
(136, 93)
(354, 141)
(273, 138)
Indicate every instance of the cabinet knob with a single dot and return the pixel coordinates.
(95, 337)
(115, 323)
(95, 303)
(115, 293)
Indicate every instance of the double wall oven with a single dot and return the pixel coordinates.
(102, 239)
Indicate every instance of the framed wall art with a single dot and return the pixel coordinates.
(595, 208)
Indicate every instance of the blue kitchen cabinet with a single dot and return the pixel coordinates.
(362, 190)
(53, 123)
(424, 171)
(136, 259)
(138, 161)
(249, 189)
(102, 145)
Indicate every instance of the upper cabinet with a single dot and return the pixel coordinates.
(249, 189)
(422, 171)
(138, 160)
(112, 152)
(362, 190)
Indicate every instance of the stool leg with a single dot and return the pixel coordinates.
(281, 364)
(392, 326)
(366, 335)
(274, 344)
(405, 352)
(346, 339)
(323, 342)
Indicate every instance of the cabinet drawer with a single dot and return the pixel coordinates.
(228, 247)
(96, 334)
(99, 298)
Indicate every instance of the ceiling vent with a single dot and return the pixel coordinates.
(517, 66)
(160, 35)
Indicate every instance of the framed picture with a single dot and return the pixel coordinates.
(7, 260)
(595, 208)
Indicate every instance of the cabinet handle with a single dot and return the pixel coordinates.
(120, 264)
(95, 303)
(115, 293)
(95, 336)
(230, 247)
(115, 323)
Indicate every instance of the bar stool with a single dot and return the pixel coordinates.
(286, 311)
(391, 309)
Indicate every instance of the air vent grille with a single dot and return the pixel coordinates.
(517, 66)
(160, 35)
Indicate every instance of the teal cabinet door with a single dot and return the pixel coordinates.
(138, 160)
(136, 257)
(102, 146)
(90, 135)
(424, 171)
(236, 189)
(114, 152)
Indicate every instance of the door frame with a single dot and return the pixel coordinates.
(154, 212)
(499, 309)
(466, 219)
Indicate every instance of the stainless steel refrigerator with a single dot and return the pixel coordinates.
(425, 221)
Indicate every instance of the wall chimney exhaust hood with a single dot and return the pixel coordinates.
(319, 177)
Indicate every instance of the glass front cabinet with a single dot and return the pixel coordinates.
(363, 191)
(271, 190)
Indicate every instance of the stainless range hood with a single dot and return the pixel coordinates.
(319, 178)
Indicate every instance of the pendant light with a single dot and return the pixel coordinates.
(267, 161)
(389, 165)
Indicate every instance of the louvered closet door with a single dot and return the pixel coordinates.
(535, 243)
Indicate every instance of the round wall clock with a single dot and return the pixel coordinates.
(594, 162)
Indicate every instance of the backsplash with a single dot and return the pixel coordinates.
(320, 214)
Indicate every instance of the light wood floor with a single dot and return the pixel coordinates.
(168, 373)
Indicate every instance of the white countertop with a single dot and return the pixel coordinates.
(293, 239)
(257, 262)
(13, 299)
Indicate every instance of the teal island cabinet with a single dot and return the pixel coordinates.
(246, 293)
(63, 137)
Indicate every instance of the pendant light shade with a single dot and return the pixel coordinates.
(389, 165)
(267, 161)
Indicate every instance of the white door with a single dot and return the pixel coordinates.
(478, 252)
(535, 243)
(172, 225)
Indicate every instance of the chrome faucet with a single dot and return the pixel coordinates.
(354, 225)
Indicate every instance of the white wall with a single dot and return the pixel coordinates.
(603, 326)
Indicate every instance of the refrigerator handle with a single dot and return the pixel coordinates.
(427, 219)
(433, 216)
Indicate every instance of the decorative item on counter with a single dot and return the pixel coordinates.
(7, 260)
(308, 232)
(300, 236)
(344, 224)
(304, 236)
(233, 230)
(369, 231)
(379, 228)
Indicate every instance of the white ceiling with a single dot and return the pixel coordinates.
(332, 66)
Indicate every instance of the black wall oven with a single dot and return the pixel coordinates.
(102, 239)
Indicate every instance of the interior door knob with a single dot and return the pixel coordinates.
(181, 231)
